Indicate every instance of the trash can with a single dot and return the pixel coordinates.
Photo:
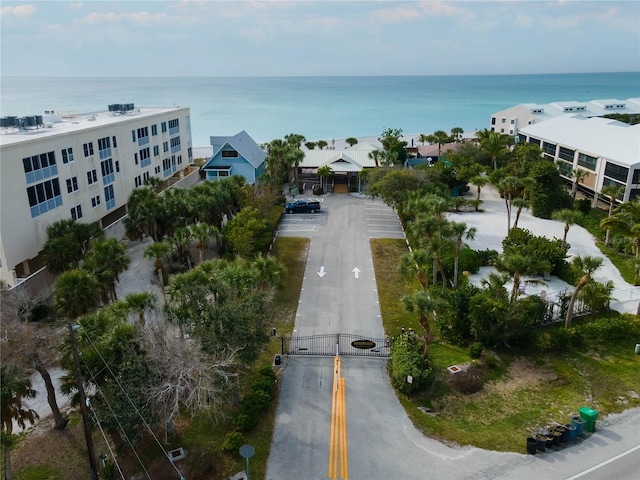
(589, 416)
(578, 424)
(532, 445)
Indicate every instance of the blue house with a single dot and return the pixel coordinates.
(236, 155)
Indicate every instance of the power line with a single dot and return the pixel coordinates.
(113, 456)
(119, 424)
(134, 406)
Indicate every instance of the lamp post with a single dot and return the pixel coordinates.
(83, 404)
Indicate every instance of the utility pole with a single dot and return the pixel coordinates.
(83, 406)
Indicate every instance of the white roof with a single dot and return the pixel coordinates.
(351, 159)
(67, 122)
(596, 136)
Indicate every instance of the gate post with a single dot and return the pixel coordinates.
(282, 344)
(337, 344)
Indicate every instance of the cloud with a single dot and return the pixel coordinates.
(409, 12)
(19, 11)
(138, 18)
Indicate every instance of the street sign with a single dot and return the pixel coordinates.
(247, 451)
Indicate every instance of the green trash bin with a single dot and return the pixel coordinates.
(589, 416)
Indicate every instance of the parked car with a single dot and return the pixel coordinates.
(303, 205)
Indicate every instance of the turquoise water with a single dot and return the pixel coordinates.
(316, 107)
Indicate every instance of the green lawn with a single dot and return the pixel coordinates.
(526, 390)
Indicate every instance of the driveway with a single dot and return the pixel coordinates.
(382, 441)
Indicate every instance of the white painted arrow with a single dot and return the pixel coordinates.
(356, 271)
(322, 273)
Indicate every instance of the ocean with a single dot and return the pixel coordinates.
(320, 108)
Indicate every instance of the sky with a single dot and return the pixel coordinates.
(311, 38)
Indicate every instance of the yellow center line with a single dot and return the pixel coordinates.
(338, 436)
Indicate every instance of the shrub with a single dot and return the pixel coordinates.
(406, 359)
(583, 205)
(247, 421)
(267, 372)
(318, 190)
(475, 351)
(614, 327)
(232, 442)
(256, 401)
(491, 361)
(467, 382)
(265, 385)
(487, 257)
(453, 324)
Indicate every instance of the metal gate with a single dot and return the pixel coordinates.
(341, 343)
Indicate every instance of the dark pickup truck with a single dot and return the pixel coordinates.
(303, 206)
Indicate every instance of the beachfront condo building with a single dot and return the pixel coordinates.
(607, 151)
(62, 165)
(511, 120)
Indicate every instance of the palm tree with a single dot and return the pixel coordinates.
(106, 260)
(141, 303)
(577, 175)
(270, 272)
(203, 233)
(417, 262)
(479, 181)
(67, 241)
(612, 191)
(494, 144)
(351, 141)
(586, 266)
(509, 187)
(14, 388)
(144, 210)
(75, 293)
(519, 266)
(182, 238)
(520, 204)
(626, 221)
(425, 306)
(568, 217)
(324, 172)
(376, 156)
(423, 137)
(456, 133)
(294, 154)
(159, 251)
(596, 296)
(441, 138)
(460, 231)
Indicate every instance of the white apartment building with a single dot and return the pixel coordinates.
(60, 165)
(608, 150)
(511, 120)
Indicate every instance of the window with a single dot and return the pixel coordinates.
(107, 171)
(143, 136)
(76, 212)
(493, 120)
(229, 154)
(549, 148)
(137, 181)
(534, 141)
(88, 149)
(145, 176)
(109, 197)
(179, 159)
(135, 158)
(175, 144)
(39, 167)
(115, 144)
(72, 184)
(616, 171)
(154, 130)
(636, 176)
(156, 151)
(44, 196)
(92, 177)
(174, 127)
(165, 147)
(504, 120)
(587, 161)
(164, 127)
(145, 157)
(566, 154)
(95, 201)
(156, 170)
(67, 155)
(117, 166)
(564, 167)
(133, 135)
(104, 147)
(607, 181)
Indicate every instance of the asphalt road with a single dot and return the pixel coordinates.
(382, 441)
